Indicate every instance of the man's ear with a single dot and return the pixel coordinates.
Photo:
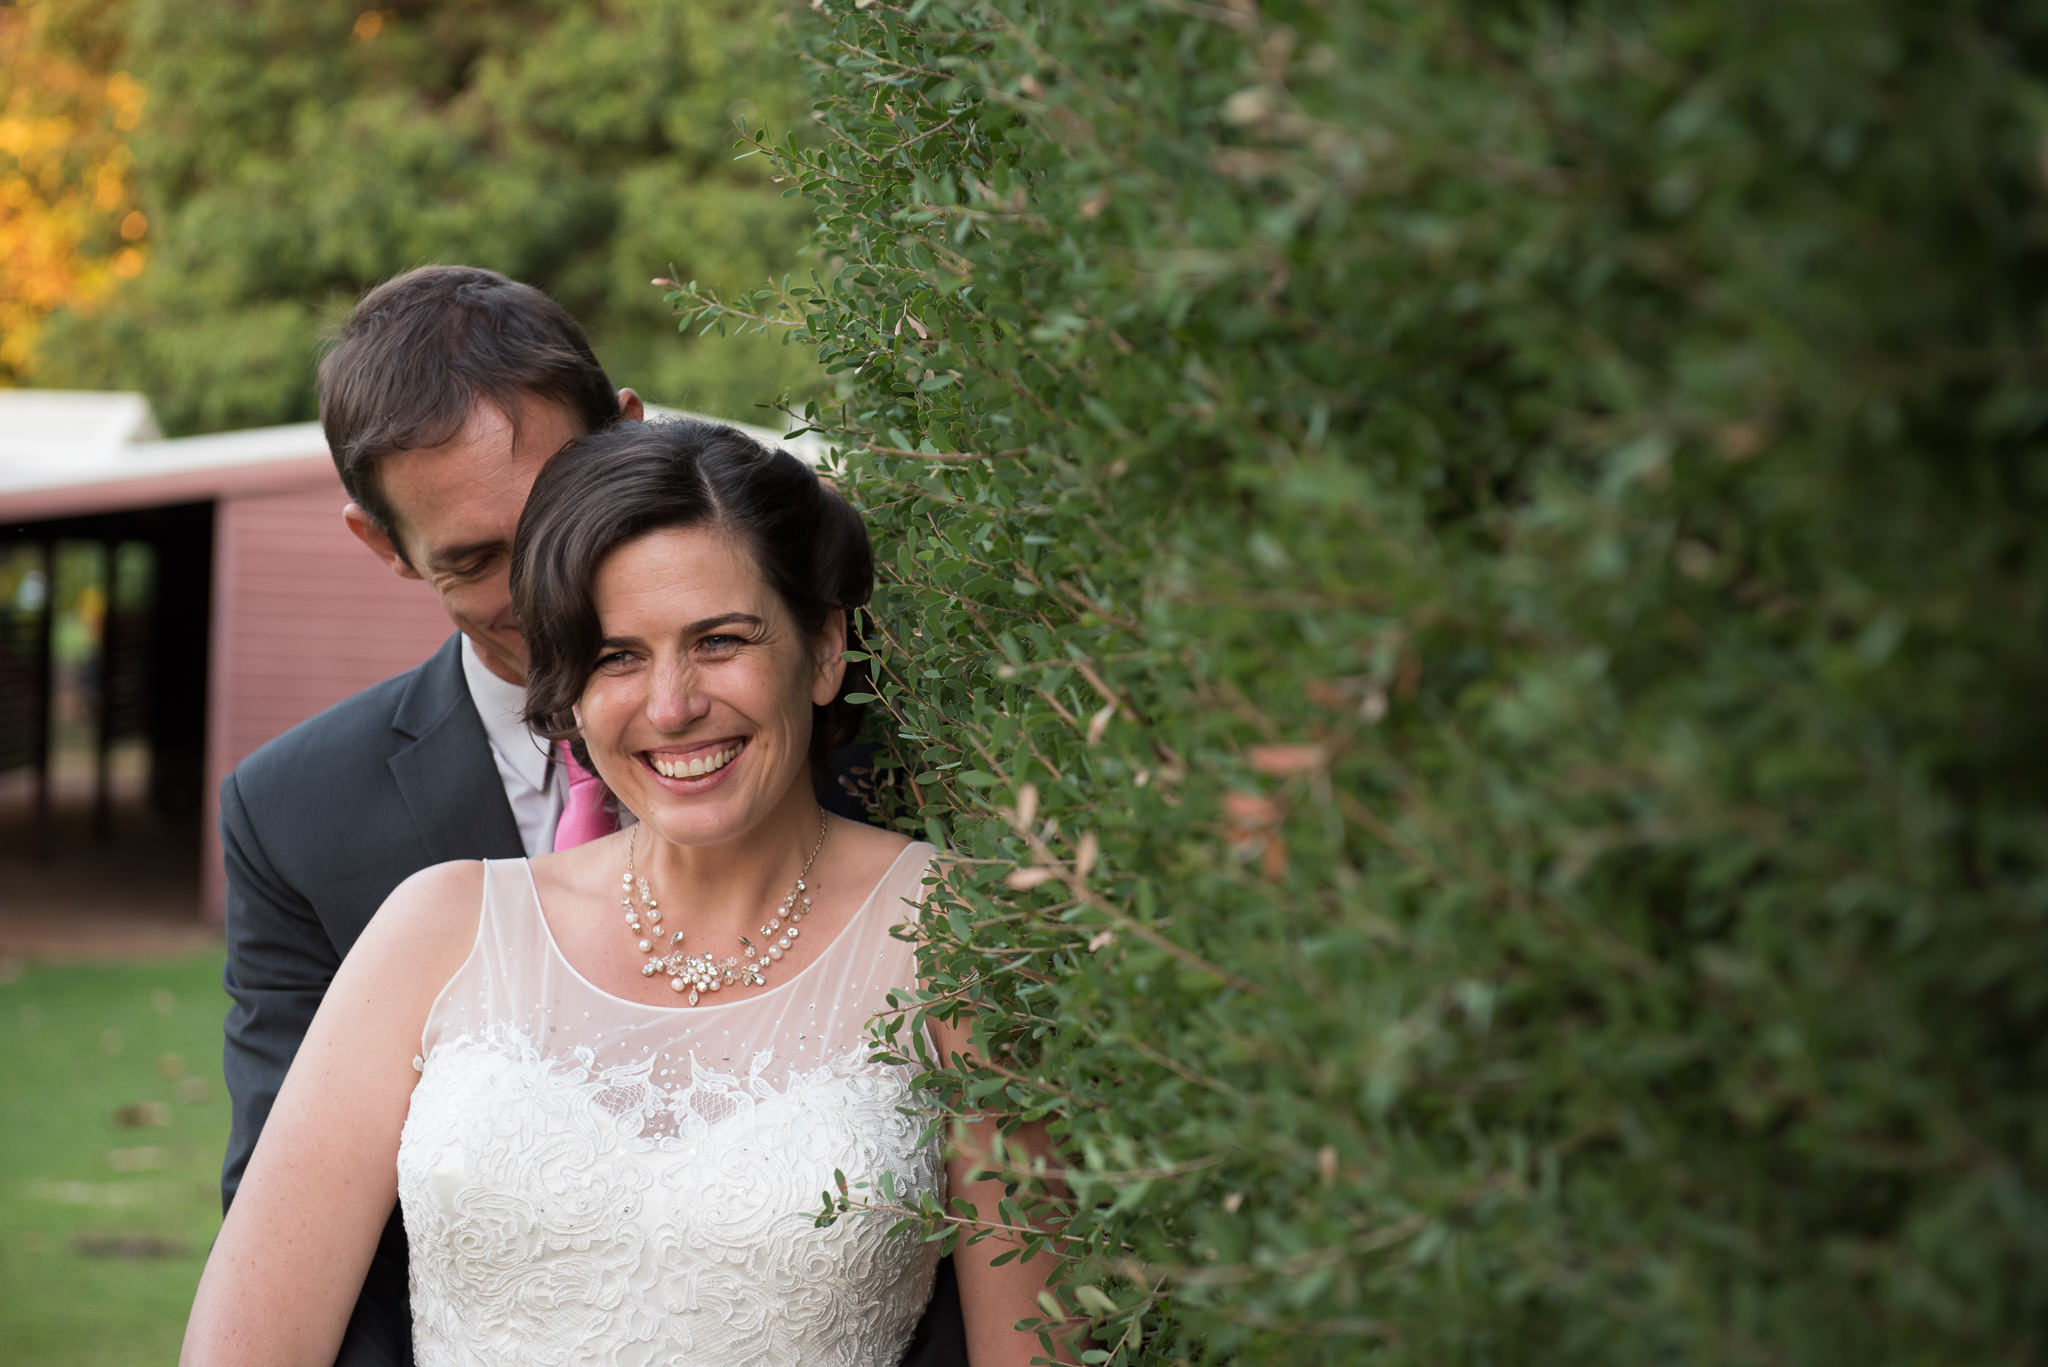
(831, 658)
(630, 407)
(370, 534)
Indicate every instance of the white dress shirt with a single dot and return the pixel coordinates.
(534, 784)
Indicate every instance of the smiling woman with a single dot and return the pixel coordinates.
(686, 593)
(646, 1055)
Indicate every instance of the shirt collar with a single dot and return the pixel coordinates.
(500, 705)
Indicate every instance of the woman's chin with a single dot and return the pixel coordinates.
(701, 822)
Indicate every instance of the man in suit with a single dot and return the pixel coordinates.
(446, 392)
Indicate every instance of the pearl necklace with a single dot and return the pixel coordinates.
(700, 973)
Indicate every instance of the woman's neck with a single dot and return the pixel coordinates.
(730, 887)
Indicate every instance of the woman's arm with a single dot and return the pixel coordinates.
(993, 1299)
(289, 1263)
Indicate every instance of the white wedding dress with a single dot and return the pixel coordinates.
(588, 1180)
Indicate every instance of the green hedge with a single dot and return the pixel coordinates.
(1466, 581)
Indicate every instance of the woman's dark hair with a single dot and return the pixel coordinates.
(615, 485)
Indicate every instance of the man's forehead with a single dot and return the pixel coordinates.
(467, 493)
(531, 426)
(448, 511)
(486, 429)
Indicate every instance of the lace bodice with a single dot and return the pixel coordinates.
(588, 1180)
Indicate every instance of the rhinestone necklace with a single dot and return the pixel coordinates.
(700, 973)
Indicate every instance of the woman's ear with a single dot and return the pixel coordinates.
(831, 658)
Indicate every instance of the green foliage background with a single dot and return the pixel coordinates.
(287, 162)
(1466, 582)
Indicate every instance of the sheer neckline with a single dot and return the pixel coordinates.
(859, 913)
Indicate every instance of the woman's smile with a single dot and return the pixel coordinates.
(692, 769)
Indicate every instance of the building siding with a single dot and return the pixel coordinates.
(303, 617)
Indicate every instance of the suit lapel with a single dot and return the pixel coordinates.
(444, 769)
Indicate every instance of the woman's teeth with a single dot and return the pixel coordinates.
(695, 767)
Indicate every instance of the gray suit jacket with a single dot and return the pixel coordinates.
(317, 827)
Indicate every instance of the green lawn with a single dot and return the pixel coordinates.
(112, 1124)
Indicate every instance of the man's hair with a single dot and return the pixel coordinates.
(424, 347)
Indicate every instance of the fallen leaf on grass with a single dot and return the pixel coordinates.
(128, 1246)
(138, 1115)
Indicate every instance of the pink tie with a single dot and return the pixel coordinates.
(584, 815)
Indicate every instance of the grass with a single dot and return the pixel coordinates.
(112, 1124)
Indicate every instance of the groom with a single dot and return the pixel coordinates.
(446, 392)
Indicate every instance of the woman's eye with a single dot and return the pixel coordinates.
(720, 645)
(615, 659)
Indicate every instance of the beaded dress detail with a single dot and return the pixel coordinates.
(589, 1180)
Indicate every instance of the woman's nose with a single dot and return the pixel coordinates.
(674, 700)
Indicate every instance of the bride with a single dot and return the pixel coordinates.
(610, 1088)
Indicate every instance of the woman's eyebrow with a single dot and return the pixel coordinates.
(727, 619)
(697, 628)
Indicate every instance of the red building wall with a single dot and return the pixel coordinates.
(303, 616)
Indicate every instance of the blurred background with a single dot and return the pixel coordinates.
(191, 196)
(1522, 521)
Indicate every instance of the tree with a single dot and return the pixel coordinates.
(295, 154)
(1464, 582)
(69, 227)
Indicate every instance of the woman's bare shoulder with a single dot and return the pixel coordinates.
(439, 892)
(596, 863)
(428, 923)
(880, 841)
(865, 852)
